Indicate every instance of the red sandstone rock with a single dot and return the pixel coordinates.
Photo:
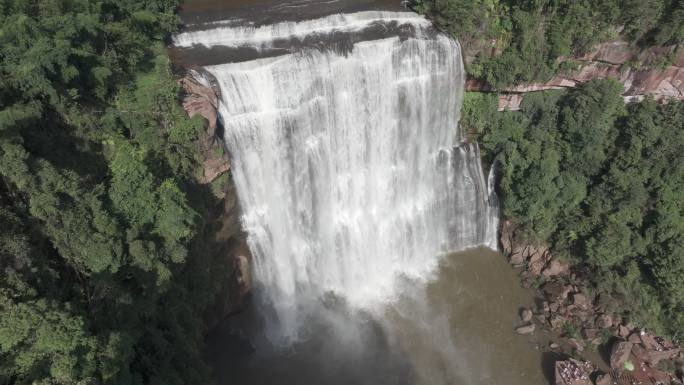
(200, 100)
(526, 315)
(556, 268)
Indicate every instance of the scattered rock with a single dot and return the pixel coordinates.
(620, 354)
(525, 329)
(526, 315)
(604, 321)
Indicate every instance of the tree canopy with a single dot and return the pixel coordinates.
(99, 284)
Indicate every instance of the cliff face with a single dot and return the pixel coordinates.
(640, 74)
(201, 99)
(226, 240)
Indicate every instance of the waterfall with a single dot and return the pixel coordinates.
(349, 165)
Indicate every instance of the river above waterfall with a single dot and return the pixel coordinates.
(458, 330)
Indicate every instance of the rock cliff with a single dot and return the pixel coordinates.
(656, 72)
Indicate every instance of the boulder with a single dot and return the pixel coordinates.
(555, 291)
(526, 315)
(649, 341)
(555, 268)
(623, 331)
(619, 354)
(537, 259)
(634, 338)
(654, 357)
(525, 329)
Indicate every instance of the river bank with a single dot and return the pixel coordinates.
(585, 322)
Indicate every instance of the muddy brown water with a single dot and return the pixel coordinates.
(456, 329)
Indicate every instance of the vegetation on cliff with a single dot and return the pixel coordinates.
(99, 284)
(602, 183)
(516, 41)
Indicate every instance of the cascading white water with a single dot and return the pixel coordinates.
(349, 166)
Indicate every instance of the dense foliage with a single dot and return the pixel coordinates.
(522, 40)
(602, 183)
(96, 157)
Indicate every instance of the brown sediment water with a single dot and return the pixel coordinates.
(456, 329)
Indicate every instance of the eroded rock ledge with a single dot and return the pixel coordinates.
(640, 74)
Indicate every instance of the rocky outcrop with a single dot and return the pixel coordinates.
(641, 74)
(200, 98)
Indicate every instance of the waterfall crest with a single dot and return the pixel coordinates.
(350, 167)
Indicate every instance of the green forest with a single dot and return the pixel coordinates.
(602, 183)
(515, 41)
(103, 280)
